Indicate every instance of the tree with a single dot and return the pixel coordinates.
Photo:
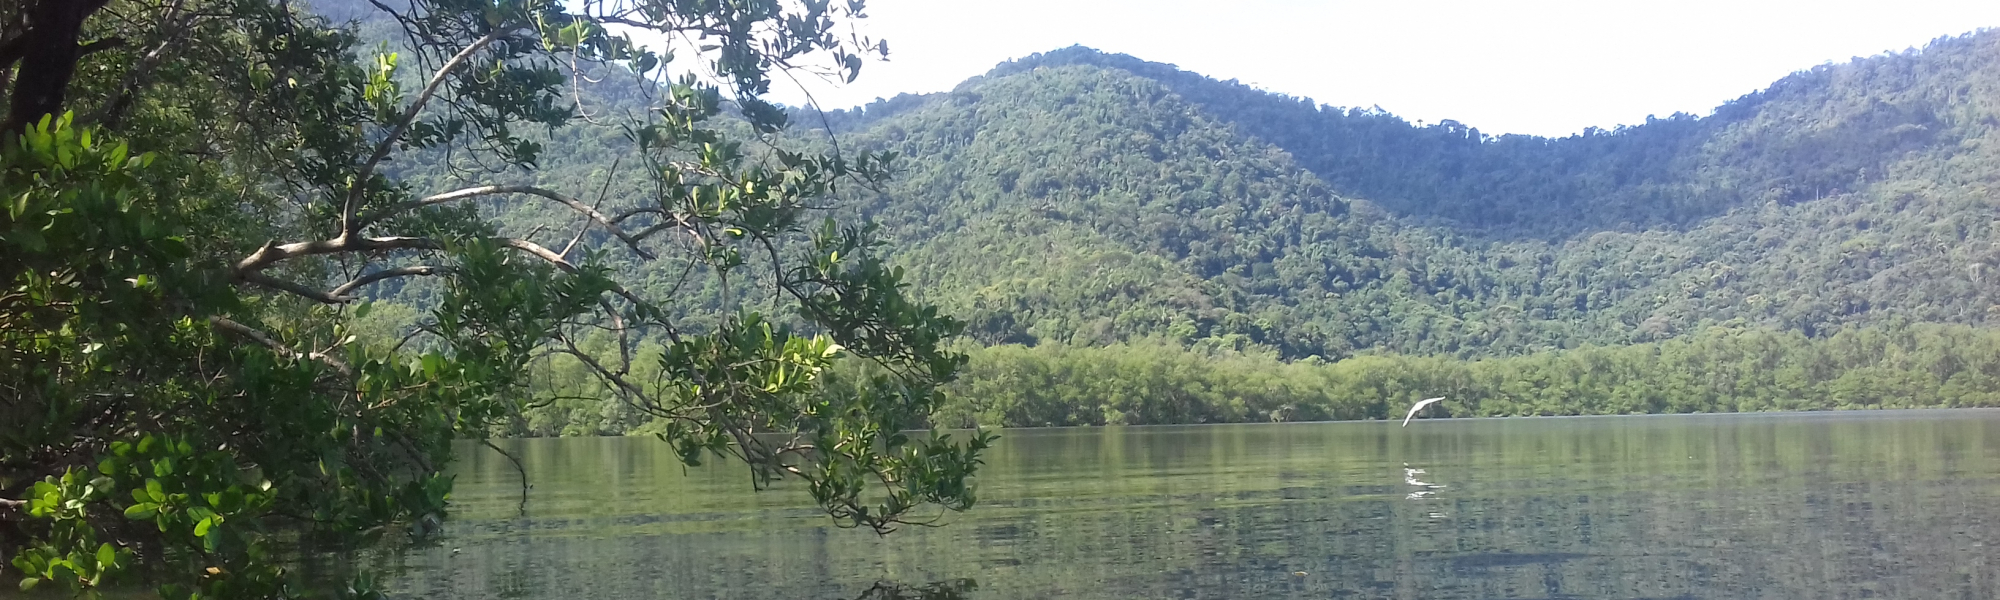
(196, 217)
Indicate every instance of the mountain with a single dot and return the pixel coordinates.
(1087, 198)
(1083, 198)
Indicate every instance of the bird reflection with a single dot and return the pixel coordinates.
(1410, 477)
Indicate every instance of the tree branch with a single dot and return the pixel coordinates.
(11, 50)
(297, 289)
(99, 46)
(136, 76)
(490, 190)
(518, 469)
(542, 252)
(281, 349)
(348, 227)
(49, 51)
(272, 252)
(348, 288)
(637, 393)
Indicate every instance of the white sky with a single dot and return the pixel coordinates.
(1546, 67)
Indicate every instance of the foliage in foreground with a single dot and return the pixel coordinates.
(196, 201)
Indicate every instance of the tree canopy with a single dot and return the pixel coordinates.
(202, 196)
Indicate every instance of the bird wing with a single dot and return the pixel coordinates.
(1417, 407)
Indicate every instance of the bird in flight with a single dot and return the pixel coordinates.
(1417, 407)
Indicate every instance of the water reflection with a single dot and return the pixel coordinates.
(1425, 489)
(1860, 505)
(955, 589)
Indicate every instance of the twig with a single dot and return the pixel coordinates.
(523, 471)
(265, 340)
(345, 289)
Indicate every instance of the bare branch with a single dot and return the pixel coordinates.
(348, 288)
(624, 336)
(636, 212)
(492, 190)
(272, 252)
(275, 346)
(348, 225)
(136, 76)
(518, 469)
(296, 289)
(601, 191)
(616, 380)
(540, 251)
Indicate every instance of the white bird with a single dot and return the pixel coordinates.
(1417, 407)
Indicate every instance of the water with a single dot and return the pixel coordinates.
(1822, 506)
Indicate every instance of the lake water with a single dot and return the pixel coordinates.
(1887, 504)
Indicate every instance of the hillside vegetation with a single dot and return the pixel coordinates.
(1083, 198)
(1077, 199)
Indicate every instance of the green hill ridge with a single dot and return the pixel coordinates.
(1108, 226)
(1087, 198)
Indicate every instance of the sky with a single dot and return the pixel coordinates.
(1534, 67)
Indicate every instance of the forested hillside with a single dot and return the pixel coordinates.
(1080, 199)
(1085, 198)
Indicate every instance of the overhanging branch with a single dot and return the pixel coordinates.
(345, 290)
(261, 339)
(348, 226)
(494, 190)
(294, 288)
(273, 252)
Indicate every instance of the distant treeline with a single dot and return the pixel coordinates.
(1719, 370)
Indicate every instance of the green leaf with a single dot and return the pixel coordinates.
(142, 511)
(201, 528)
(29, 583)
(106, 557)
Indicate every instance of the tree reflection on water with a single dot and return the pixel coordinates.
(953, 589)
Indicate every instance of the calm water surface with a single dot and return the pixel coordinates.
(1820, 506)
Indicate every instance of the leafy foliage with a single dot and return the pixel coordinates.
(189, 397)
(1081, 199)
(1717, 370)
(1210, 212)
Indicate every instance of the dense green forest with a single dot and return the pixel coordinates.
(1077, 199)
(1845, 194)
(1084, 198)
(1160, 382)
(1095, 199)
